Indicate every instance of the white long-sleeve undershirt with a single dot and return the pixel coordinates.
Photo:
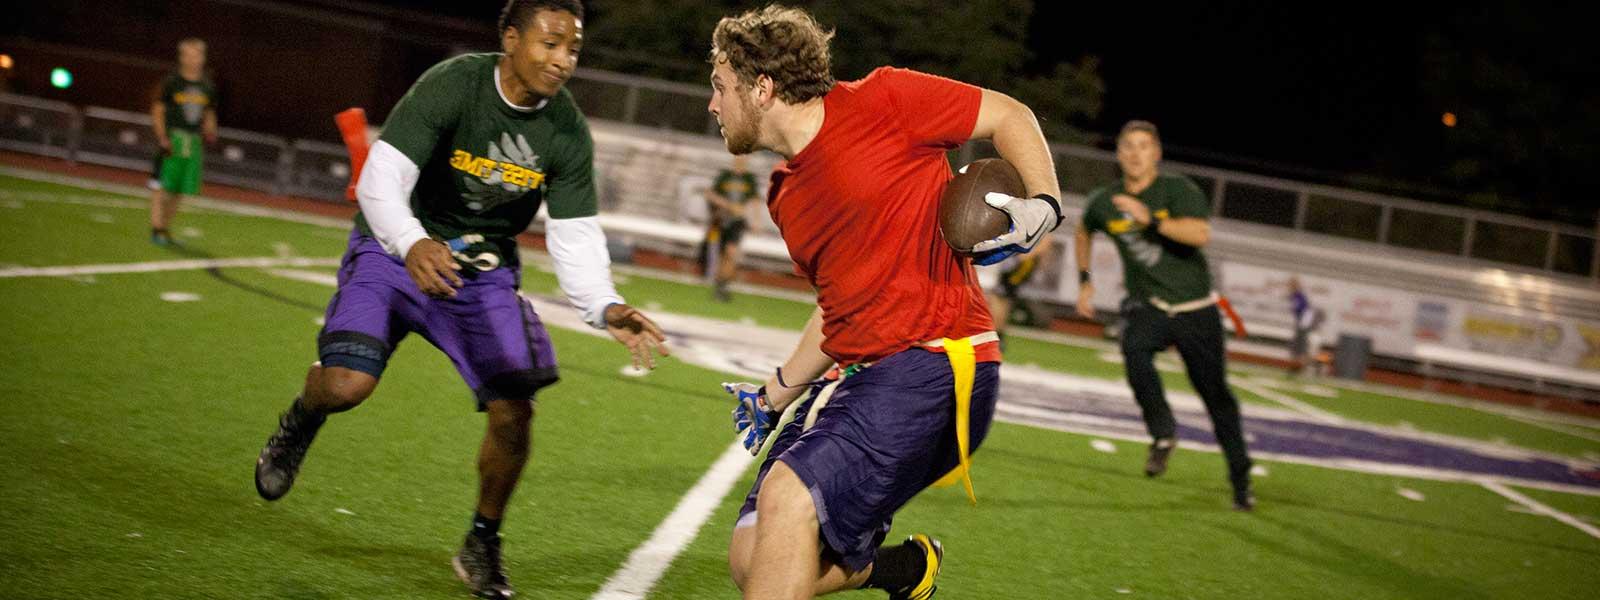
(583, 266)
(384, 193)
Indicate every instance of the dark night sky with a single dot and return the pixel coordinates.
(1279, 82)
(1316, 91)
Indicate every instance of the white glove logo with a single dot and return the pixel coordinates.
(491, 190)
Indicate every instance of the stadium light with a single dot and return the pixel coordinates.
(6, 62)
(61, 78)
(1449, 119)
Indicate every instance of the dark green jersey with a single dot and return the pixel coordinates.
(186, 101)
(738, 188)
(1152, 265)
(486, 166)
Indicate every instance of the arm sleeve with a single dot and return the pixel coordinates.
(384, 193)
(934, 111)
(425, 114)
(1190, 201)
(583, 266)
(571, 192)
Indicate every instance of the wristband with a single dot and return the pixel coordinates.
(1055, 205)
(1083, 277)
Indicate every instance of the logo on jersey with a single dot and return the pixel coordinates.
(193, 102)
(509, 172)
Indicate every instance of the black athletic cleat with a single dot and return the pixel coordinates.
(279, 461)
(478, 565)
(1243, 500)
(1159, 451)
(933, 554)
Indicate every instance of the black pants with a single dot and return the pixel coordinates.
(1198, 335)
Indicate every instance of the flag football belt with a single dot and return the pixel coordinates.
(1183, 307)
(963, 365)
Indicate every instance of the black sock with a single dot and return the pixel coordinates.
(485, 527)
(305, 413)
(897, 567)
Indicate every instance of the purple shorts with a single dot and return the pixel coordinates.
(887, 433)
(491, 334)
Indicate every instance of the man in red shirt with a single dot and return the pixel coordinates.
(898, 311)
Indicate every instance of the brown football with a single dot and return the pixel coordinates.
(964, 218)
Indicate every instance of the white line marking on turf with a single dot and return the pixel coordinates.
(650, 560)
(1103, 445)
(169, 265)
(180, 297)
(1540, 508)
(1410, 494)
(1297, 405)
(327, 279)
(1520, 509)
(203, 202)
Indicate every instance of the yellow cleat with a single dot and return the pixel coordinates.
(933, 552)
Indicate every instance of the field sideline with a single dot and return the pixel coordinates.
(141, 381)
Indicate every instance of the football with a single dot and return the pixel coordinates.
(964, 218)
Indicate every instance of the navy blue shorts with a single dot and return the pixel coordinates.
(887, 433)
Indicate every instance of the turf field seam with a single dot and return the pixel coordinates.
(1541, 508)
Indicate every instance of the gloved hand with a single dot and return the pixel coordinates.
(1031, 220)
(753, 418)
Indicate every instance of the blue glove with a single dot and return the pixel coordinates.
(752, 418)
(998, 255)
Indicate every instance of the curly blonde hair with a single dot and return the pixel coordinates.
(785, 44)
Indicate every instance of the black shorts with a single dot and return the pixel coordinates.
(732, 231)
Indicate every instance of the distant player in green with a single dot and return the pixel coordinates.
(729, 196)
(464, 162)
(1159, 225)
(183, 113)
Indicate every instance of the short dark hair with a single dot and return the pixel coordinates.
(518, 13)
(786, 44)
(1139, 125)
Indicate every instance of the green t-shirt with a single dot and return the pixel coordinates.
(737, 188)
(486, 166)
(186, 101)
(1152, 265)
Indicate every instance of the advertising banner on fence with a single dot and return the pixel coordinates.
(1395, 320)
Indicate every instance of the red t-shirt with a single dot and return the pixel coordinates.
(858, 208)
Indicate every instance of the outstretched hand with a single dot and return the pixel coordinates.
(640, 334)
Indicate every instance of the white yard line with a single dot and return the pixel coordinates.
(166, 265)
(650, 560)
(1541, 508)
(1293, 403)
(208, 203)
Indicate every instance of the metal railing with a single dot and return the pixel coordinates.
(314, 169)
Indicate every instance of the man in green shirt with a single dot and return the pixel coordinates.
(1159, 225)
(729, 197)
(464, 162)
(183, 113)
